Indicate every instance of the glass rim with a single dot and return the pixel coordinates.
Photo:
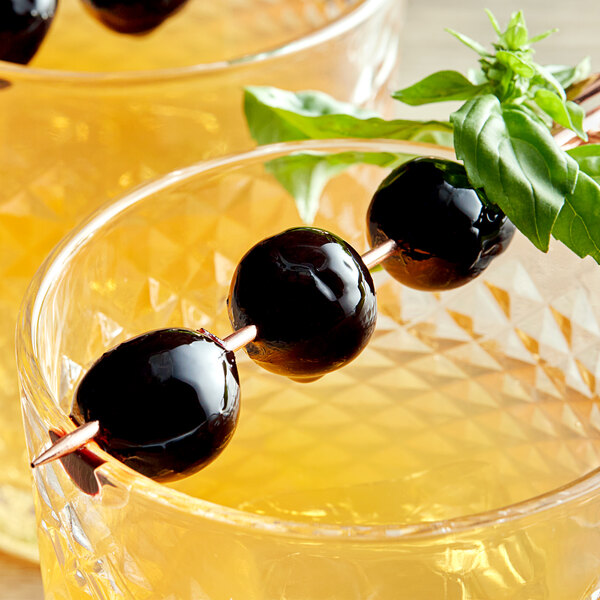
(28, 367)
(332, 29)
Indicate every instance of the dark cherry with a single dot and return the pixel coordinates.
(167, 401)
(311, 298)
(23, 26)
(446, 231)
(133, 16)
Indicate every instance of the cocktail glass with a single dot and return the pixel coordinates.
(457, 457)
(71, 139)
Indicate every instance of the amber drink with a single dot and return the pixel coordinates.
(457, 457)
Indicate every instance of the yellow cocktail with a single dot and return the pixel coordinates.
(455, 458)
(96, 113)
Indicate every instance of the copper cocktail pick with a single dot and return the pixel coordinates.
(82, 435)
(69, 443)
(85, 433)
(377, 255)
(586, 91)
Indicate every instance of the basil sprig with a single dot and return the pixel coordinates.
(513, 157)
(501, 133)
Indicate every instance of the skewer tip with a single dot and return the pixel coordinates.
(68, 444)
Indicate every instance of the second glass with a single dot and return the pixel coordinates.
(72, 139)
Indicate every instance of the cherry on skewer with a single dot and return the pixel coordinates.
(311, 297)
(446, 232)
(88, 431)
(165, 403)
(133, 16)
(387, 250)
(23, 27)
(303, 304)
(94, 429)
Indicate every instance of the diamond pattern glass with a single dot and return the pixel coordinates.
(455, 459)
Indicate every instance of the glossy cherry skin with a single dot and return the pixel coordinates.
(445, 231)
(23, 26)
(167, 401)
(311, 298)
(133, 16)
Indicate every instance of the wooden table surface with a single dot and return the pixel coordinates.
(427, 48)
(19, 580)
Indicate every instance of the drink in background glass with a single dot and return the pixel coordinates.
(97, 112)
(455, 458)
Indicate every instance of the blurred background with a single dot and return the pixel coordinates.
(426, 48)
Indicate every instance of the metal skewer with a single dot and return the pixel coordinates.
(82, 435)
(586, 91)
(68, 443)
(238, 339)
(377, 255)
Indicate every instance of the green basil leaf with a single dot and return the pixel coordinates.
(588, 158)
(467, 41)
(275, 115)
(493, 21)
(438, 138)
(305, 175)
(477, 76)
(568, 114)
(546, 78)
(567, 76)
(574, 223)
(577, 115)
(518, 64)
(438, 87)
(542, 36)
(514, 158)
(516, 35)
